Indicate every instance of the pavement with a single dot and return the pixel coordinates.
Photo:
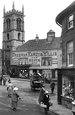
(56, 108)
(60, 109)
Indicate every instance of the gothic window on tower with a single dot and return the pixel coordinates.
(19, 24)
(7, 46)
(7, 36)
(18, 36)
(8, 23)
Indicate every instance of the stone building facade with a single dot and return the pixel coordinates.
(13, 34)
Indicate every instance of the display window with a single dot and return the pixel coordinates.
(68, 86)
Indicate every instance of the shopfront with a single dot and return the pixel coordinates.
(47, 73)
(20, 71)
(66, 86)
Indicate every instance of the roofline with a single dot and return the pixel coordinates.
(65, 13)
(35, 50)
(59, 24)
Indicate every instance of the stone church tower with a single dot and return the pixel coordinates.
(13, 33)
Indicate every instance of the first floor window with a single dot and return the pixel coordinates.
(70, 59)
(46, 61)
(70, 53)
(70, 21)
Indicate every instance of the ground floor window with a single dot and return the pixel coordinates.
(23, 73)
(68, 86)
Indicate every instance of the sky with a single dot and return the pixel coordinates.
(39, 17)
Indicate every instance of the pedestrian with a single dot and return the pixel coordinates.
(4, 80)
(52, 86)
(9, 80)
(46, 99)
(1, 80)
(9, 88)
(42, 91)
(15, 98)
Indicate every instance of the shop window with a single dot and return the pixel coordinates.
(70, 53)
(68, 86)
(70, 22)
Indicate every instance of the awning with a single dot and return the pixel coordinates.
(41, 67)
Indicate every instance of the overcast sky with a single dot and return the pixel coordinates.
(39, 18)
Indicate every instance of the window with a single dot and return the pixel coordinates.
(19, 24)
(8, 23)
(68, 86)
(18, 36)
(7, 36)
(70, 53)
(70, 22)
(46, 61)
(7, 46)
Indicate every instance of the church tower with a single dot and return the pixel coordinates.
(13, 33)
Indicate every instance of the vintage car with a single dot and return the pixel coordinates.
(36, 81)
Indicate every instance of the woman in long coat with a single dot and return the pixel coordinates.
(15, 98)
(9, 89)
(42, 91)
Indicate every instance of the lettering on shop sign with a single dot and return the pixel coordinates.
(43, 53)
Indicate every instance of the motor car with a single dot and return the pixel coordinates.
(36, 81)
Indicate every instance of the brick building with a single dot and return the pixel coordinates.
(66, 75)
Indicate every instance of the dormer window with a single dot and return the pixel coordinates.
(50, 36)
(70, 22)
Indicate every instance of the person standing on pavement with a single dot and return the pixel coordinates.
(15, 98)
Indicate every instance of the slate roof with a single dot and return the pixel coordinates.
(40, 44)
